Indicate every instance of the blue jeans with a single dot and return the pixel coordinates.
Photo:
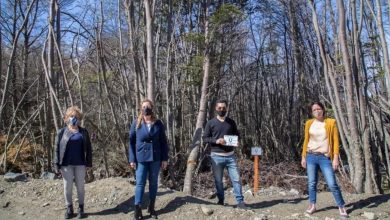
(219, 163)
(146, 169)
(313, 162)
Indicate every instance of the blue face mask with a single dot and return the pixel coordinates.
(73, 121)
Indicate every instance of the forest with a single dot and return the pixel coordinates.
(268, 58)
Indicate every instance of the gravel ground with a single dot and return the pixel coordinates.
(112, 198)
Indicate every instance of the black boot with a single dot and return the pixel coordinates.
(152, 212)
(81, 213)
(138, 213)
(69, 212)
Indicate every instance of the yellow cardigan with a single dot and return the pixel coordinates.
(331, 132)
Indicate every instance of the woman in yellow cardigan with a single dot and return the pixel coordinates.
(321, 151)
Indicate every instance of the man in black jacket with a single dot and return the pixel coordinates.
(217, 132)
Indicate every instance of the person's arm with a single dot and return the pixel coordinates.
(336, 147)
(132, 145)
(89, 149)
(235, 130)
(208, 135)
(56, 165)
(306, 139)
(305, 143)
(163, 142)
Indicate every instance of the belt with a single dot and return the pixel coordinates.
(317, 153)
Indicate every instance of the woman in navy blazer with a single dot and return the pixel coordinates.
(148, 152)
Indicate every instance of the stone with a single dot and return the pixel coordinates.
(296, 215)
(212, 195)
(249, 192)
(14, 177)
(294, 192)
(328, 218)
(6, 204)
(370, 215)
(2, 191)
(206, 210)
(48, 176)
(261, 217)
(45, 204)
(283, 193)
(21, 213)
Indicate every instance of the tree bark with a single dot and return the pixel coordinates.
(355, 144)
(149, 49)
(197, 138)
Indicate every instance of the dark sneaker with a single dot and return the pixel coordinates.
(242, 205)
(69, 212)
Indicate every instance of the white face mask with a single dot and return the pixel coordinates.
(318, 113)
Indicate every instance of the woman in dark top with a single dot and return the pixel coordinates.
(148, 152)
(73, 153)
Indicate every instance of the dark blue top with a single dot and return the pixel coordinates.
(216, 129)
(148, 145)
(74, 153)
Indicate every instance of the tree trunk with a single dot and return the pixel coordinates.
(197, 138)
(355, 144)
(133, 49)
(149, 49)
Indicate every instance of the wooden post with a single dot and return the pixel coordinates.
(256, 177)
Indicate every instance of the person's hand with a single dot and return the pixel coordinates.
(132, 165)
(164, 165)
(221, 141)
(303, 162)
(335, 163)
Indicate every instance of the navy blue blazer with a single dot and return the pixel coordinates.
(147, 146)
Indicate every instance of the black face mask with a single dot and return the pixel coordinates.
(221, 113)
(147, 111)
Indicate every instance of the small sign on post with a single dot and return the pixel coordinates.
(256, 152)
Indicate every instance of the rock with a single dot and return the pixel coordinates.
(261, 217)
(283, 193)
(370, 215)
(249, 192)
(328, 218)
(296, 215)
(294, 192)
(21, 213)
(48, 176)
(45, 204)
(6, 204)
(13, 177)
(206, 210)
(1, 191)
(212, 195)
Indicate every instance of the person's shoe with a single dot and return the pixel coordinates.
(138, 213)
(221, 202)
(242, 205)
(69, 212)
(343, 212)
(80, 212)
(151, 210)
(311, 209)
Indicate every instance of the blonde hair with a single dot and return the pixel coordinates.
(140, 116)
(74, 110)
